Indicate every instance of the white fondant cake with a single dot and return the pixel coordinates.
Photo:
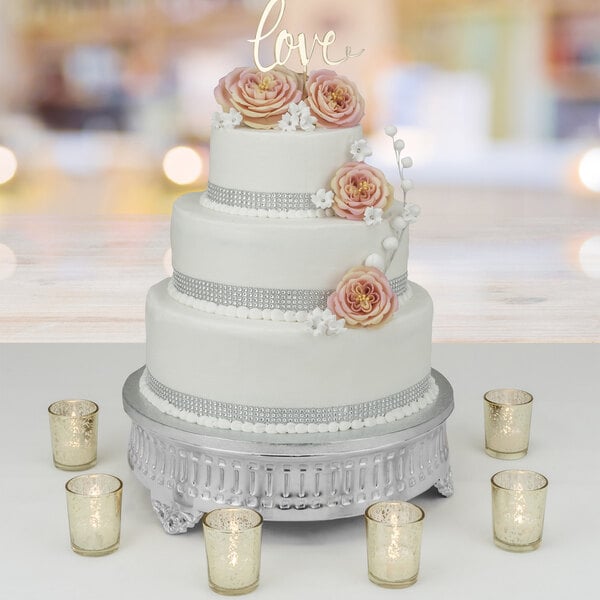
(289, 310)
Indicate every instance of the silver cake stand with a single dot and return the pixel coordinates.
(191, 469)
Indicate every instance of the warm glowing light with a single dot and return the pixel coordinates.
(589, 169)
(168, 262)
(8, 164)
(8, 262)
(183, 165)
(589, 257)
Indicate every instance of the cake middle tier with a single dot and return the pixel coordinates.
(298, 254)
(281, 365)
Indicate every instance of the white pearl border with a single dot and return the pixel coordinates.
(290, 428)
(273, 213)
(255, 314)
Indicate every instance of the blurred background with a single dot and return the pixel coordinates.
(105, 110)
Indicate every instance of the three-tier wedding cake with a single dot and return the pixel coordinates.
(289, 312)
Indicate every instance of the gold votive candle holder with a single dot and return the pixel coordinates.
(394, 531)
(94, 509)
(518, 507)
(507, 417)
(74, 434)
(232, 537)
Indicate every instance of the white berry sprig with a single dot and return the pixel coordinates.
(402, 162)
(409, 214)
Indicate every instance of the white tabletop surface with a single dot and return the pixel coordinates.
(320, 560)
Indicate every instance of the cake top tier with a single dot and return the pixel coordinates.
(280, 138)
(276, 169)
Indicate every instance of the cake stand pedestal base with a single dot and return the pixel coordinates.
(190, 469)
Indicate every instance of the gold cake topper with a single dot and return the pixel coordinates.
(286, 43)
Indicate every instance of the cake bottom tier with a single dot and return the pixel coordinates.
(276, 377)
(190, 469)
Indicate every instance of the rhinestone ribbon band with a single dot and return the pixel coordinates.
(262, 414)
(259, 200)
(262, 298)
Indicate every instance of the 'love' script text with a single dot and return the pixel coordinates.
(286, 43)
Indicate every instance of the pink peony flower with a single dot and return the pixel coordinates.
(356, 187)
(363, 298)
(334, 100)
(262, 98)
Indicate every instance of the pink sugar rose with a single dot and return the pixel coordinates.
(356, 187)
(363, 298)
(334, 100)
(262, 98)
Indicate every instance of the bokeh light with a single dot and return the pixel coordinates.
(8, 262)
(8, 164)
(589, 257)
(589, 169)
(183, 165)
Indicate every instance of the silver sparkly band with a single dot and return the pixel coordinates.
(399, 284)
(263, 414)
(262, 298)
(259, 200)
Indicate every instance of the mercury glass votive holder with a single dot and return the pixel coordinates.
(94, 509)
(518, 506)
(232, 537)
(74, 434)
(507, 417)
(394, 531)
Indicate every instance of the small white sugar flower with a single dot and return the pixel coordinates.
(308, 122)
(298, 115)
(391, 130)
(360, 150)
(227, 120)
(335, 326)
(324, 322)
(316, 313)
(373, 215)
(295, 109)
(235, 117)
(299, 110)
(314, 320)
(217, 121)
(320, 328)
(288, 122)
(322, 199)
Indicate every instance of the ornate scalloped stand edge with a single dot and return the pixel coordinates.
(191, 469)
